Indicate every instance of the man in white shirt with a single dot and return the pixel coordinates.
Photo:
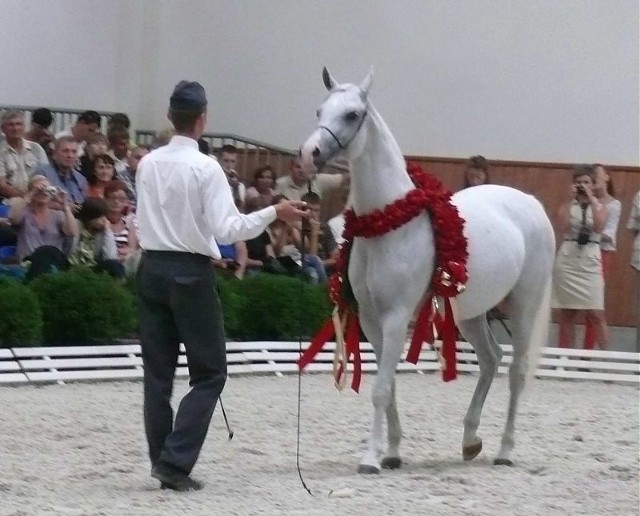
(184, 206)
(19, 158)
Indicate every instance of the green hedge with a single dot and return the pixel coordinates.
(80, 307)
(20, 315)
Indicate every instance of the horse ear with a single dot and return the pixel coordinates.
(366, 83)
(329, 82)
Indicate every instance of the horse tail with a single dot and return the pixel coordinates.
(539, 331)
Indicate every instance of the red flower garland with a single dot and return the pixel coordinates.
(448, 280)
(431, 195)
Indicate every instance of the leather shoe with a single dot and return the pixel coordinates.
(175, 480)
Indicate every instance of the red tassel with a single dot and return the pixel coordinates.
(449, 343)
(423, 332)
(323, 336)
(352, 342)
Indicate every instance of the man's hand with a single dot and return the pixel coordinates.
(291, 211)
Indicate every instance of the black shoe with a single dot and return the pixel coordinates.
(175, 480)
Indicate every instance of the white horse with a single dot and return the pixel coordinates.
(511, 250)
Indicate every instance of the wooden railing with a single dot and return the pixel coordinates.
(62, 117)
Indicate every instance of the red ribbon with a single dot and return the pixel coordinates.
(446, 329)
(352, 345)
(324, 335)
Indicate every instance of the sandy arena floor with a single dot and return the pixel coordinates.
(79, 449)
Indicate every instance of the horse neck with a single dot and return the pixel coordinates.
(378, 175)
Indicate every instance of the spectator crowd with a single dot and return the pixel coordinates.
(70, 199)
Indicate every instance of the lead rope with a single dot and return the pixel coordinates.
(299, 370)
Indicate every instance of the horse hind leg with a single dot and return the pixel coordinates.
(489, 354)
(530, 318)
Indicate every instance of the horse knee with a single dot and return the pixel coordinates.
(381, 396)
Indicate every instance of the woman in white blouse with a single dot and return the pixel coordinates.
(604, 192)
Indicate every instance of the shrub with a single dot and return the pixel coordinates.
(80, 306)
(233, 304)
(277, 308)
(21, 317)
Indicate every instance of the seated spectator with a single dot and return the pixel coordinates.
(40, 131)
(19, 158)
(296, 184)
(119, 119)
(318, 239)
(118, 137)
(336, 223)
(260, 194)
(233, 259)
(203, 146)
(97, 144)
(122, 225)
(95, 245)
(87, 124)
(163, 136)
(261, 256)
(228, 161)
(101, 172)
(62, 174)
(476, 172)
(128, 176)
(37, 224)
(287, 245)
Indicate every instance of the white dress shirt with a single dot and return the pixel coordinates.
(185, 202)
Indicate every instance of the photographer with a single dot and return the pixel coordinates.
(42, 230)
(578, 282)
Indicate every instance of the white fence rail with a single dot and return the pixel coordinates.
(120, 362)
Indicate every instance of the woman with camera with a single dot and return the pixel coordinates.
(41, 229)
(578, 283)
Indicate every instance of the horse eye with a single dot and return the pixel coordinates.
(351, 116)
(317, 113)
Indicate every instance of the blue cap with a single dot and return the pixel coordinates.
(188, 95)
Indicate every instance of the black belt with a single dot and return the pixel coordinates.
(178, 255)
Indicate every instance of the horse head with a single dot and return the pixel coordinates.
(341, 129)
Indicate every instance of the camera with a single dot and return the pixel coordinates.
(583, 236)
(580, 190)
(51, 191)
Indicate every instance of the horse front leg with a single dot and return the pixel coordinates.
(383, 396)
(392, 459)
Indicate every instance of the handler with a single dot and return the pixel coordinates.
(184, 206)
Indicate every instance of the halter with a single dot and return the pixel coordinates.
(343, 146)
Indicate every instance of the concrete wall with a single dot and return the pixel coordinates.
(528, 80)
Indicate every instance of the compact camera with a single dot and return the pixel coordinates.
(51, 191)
(580, 190)
(583, 236)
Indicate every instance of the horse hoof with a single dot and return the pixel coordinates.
(366, 469)
(502, 462)
(391, 463)
(471, 452)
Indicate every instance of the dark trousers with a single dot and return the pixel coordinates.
(177, 302)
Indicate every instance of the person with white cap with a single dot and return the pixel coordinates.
(185, 206)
